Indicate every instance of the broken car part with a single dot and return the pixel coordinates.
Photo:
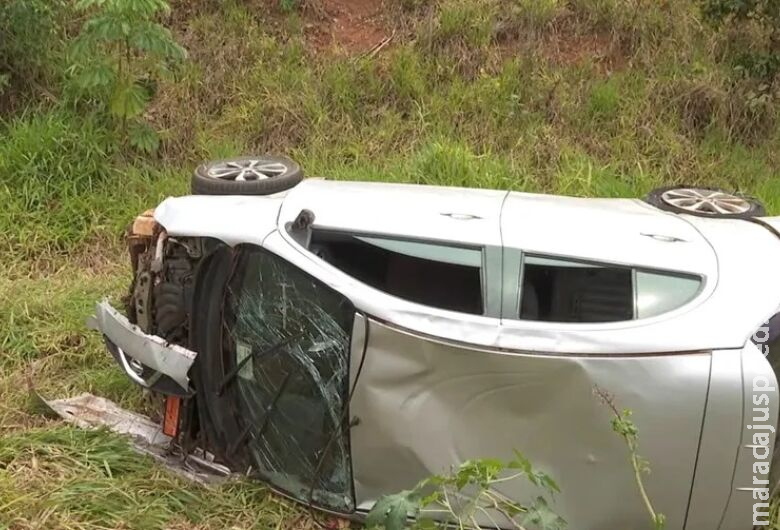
(149, 350)
(92, 412)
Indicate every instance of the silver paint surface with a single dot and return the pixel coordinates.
(150, 350)
(425, 406)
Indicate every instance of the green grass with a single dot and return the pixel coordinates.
(586, 97)
(62, 477)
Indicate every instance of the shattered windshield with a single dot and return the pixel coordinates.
(290, 335)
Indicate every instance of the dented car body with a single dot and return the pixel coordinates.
(342, 341)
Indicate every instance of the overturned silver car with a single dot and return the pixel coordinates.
(343, 340)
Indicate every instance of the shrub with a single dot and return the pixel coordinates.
(120, 54)
(755, 21)
(29, 34)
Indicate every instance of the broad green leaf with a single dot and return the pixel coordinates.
(128, 100)
(94, 76)
(104, 27)
(541, 515)
(520, 462)
(157, 40)
(143, 137)
(548, 483)
(391, 511)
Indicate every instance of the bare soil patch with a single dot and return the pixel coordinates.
(355, 26)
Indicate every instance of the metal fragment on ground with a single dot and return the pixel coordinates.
(88, 411)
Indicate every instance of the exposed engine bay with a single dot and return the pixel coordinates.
(163, 279)
(159, 302)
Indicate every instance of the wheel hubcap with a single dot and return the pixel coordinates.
(711, 202)
(246, 170)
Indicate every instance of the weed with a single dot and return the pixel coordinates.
(468, 499)
(288, 6)
(626, 429)
(95, 479)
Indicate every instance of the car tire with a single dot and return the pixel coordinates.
(248, 175)
(705, 202)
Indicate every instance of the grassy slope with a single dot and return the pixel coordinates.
(598, 97)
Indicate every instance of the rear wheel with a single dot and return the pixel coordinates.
(249, 175)
(705, 202)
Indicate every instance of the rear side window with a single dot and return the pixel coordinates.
(562, 290)
(441, 276)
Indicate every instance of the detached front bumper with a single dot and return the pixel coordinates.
(165, 365)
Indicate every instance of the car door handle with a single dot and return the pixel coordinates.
(460, 216)
(664, 238)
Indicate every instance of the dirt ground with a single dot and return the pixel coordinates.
(355, 26)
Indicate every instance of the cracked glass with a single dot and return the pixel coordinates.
(290, 337)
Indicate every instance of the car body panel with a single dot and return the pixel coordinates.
(773, 222)
(748, 289)
(618, 231)
(152, 351)
(738, 246)
(760, 402)
(425, 405)
(468, 216)
(721, 434)
(232, 219)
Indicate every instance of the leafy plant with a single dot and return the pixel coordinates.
(467, 497)
(117, 58)
(625, 427)
(749, 17)
(30, 32)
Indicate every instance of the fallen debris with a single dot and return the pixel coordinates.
(88, 411)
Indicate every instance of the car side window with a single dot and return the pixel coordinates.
(564, 290)
(658, 293)
(437, 275)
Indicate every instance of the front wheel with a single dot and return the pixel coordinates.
(705, 202)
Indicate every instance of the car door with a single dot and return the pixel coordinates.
(290, 338)
(596, 293)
